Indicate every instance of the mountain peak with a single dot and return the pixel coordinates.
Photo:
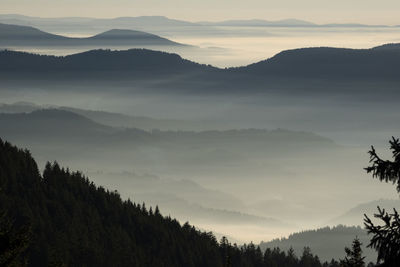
(125, 34)
(15, 35)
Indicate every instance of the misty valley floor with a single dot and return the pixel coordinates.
(270, 153)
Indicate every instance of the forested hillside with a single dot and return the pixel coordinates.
(60, 218)
(325, 242)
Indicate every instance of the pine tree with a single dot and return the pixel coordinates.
(291, 257)
(13, 242)
(157, 211)
(225, 252)
(354, 256)
(386, 237)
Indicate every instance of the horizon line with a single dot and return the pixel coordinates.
(312, 24)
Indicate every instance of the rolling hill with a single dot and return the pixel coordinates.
(88, 26)
(326, 242)
(61, 134)
(59, 123)
(140, 60)
(60, 217)
(261, 23)
(159, 22)
(321, 64)
(119, 120)
(26, 36)
(327, 63)
(355, 216)
(73, 222)
(14, 33)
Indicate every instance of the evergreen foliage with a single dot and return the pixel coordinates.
(13, 242)
(386, 237)
(326, 242)
(75, 223)
(354, 256)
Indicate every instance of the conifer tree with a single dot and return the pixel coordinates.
(386, 237)
(354, 256)
(13, 242)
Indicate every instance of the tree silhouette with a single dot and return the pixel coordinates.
(73, 222)
(13, 242)
(386, 237)
(354, 256)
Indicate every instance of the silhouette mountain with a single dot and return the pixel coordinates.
(155, 24)
(147, 20)
(260, 22)
(119, 120)
(59, 123)
(326, 242)
(14, 33)
(67, 220)
(330, 63)
(141, 60)
(319, 64)
(63, 133)
(75, 223)
(53, 125)
(160, 23)
(25, 36)
(395, 46)
(355, 216)
(155, 20)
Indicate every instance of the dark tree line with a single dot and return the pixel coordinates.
(386, 237)
(60, 218)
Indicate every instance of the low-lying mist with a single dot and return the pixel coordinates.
(252, 185)
(226, 46)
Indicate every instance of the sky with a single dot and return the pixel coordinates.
(318, 11)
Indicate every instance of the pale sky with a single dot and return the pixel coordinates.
(318, 11)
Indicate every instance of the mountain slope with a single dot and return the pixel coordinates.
(388, 46)
(72, 222)
(119, 120)
(25, 36)
(355, 216)
(330, 63)
(14, 33)
(155, 24)
(326, 242)
(62, 124)
(58, 123)
(261, 23)
(117, 154)
(142, 60)
(322, 64)
(75, 223)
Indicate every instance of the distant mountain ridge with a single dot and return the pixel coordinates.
(64, 133)
(355, 215)
(26, 36)
(65, 218)
(81, 25)
(156, 21)
(319, 63)
(262, 23)
(127, 60)
(388, 46)
(68, 123)
(119, 120)
(14, 32)
(326, 242)
(327, 62)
